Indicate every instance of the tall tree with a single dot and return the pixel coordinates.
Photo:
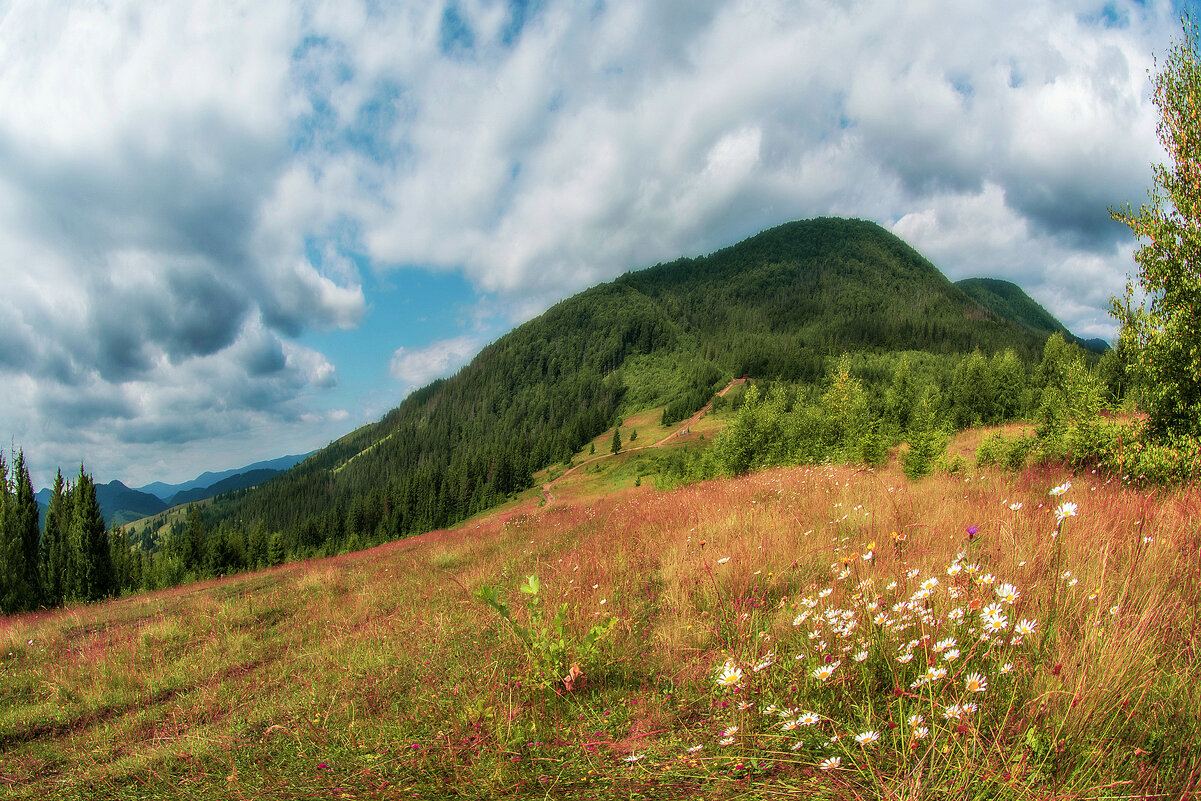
(12, 557)
(28, 530)
(54, 551)
(94, 576)
(1161, 337)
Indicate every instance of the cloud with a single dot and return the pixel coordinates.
(189, 190)
(416, 367)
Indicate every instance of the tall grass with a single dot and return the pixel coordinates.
(376, 675)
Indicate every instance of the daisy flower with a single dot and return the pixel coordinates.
(953, 712)
(1061, 489)
(1007, 667)
(951, 655)
(831, 763)
(867, 737)
(723, 560)
(921, 733)
(808, 719)
(1025, 628)
(826, 671)
(1008, 593)
(975, 683)
(1065, 511)
(725, 741)
(730, 732)
(695, 748)
(634, 757)
(730, 675)
(914, 720)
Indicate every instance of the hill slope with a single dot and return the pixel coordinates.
(775, 306)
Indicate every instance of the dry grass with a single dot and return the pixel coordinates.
(376, 675)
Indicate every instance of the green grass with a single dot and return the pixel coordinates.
(377, 675)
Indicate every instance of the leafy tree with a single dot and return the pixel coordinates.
(1162, 338)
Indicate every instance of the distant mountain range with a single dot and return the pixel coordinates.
(120, 504)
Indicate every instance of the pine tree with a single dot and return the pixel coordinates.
(616, 446)
(54, 551)
(94, 575)
(12, 555)
(28, 530)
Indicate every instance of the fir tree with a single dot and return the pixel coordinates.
(94, 573)
(616, 446)
(28, 530)
(54, 551)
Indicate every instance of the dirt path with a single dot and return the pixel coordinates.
(680, 428)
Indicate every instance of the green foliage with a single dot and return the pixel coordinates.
(927, 440)
(615, 445)
(552, 647)
(1159, 339)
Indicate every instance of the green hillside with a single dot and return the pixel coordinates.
(778, 305)
(1008, 300)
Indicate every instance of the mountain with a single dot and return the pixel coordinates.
(235, 482)
(118, 503)
(1008, 300)
(778, 305)
(167, 492)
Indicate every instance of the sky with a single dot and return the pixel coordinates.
(231, 231)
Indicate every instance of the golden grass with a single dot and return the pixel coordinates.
(381, 667)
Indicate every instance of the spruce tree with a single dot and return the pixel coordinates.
(94, 576)
(12, 555)
(54, 552)
(28, 530)
(616, 446)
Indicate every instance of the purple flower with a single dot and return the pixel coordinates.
(971, 530)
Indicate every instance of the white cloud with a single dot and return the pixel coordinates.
(416, 367)
(187, 188)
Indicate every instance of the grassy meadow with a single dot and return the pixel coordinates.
(821, 632)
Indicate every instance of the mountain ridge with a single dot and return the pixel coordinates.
(778, 305)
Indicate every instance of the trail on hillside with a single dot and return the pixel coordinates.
(679, 430)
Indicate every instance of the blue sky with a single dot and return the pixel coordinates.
(234, 230)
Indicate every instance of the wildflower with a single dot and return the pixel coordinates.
(1007, 667)
(969, 708)
(831, 763)
(1008, 593)
(951, 655)
(995, 622)
(1065, 511)
(955, 569)
(808, 719)
(634, 757)
(921, 733)
(789, 725)
(730, 676)
(730, 732)
(725, 741)
(953, 712)
(723, 560)
(929, 584)
(826, 671)
(1113, 610)
(695, 748)
(914, 720)
(905, 658)
(796, 746)
(1061, 489)
(987, 579)
(975, 683)
(1015, 506)
(943, 645)
(867, 737)
(1025, 627)
(862, 655)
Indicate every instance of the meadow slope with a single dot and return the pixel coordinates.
(829, 630)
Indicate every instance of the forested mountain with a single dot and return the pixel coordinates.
(778, 305)
(1007, 299)
(171, 493)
